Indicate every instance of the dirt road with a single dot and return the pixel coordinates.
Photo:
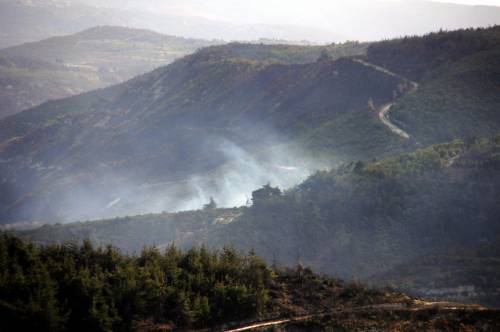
(383, 112)
(417, 305)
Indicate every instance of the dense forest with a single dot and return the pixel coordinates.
(78, 287)
(416, 57)
(72, 287)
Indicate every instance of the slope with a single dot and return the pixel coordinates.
(464, 274)
(72, 287)
(459, 88)
(191, 117)
(228, 119)
(366, 218)
(64, 66)
(361, 220)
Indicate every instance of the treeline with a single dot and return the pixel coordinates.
(413, 57)
(82, 288)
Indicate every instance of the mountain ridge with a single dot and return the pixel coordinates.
(169, 96)
(63, 66)
(252, 101)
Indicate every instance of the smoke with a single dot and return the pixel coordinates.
(233, 183)
(241, 171)
(230, 185)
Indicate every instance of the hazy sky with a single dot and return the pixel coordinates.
(476, 2)
(321, 21)
(305, 11)
(332, 19)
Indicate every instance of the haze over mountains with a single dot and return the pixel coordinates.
(227, 119)
(425, 222)
(95, 58)
(375, 161)
(233, 117)
(323, 21)
(27, 21)
(218, 113)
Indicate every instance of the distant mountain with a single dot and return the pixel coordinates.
(336, 21)
(64, 66)
(29, 21)
(228, 119)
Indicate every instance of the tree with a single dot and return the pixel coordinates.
(324, 57)
(265, 194)
(212, 205)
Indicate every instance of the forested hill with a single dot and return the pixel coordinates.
(458, 73)
(365, 218)
(360, 220)
(253, 110)
(187, 119)
(288, 54)
(72, 287)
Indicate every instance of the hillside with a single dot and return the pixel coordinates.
(375, 221)
(432, 318)
(151, 182)
(262, 108)
(471, 275)
(132, 234)
(457, 72)
(59, 67)
(230, 118)
(365, 218)
(286, 53)
(79, 287)
(73, 287)
(210, 117)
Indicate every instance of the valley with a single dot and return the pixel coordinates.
(151, 182)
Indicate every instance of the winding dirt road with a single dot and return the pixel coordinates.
(416, 306)
(269, 323)
(384, 117)
(383, 112)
